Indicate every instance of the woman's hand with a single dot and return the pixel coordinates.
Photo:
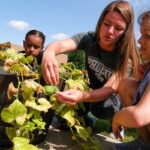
(50, 68)
(49, 63)
(70, 97)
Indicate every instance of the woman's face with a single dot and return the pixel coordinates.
(33, 45)
(144, 41)
(111, 30)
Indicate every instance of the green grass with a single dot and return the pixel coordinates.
(104, 127)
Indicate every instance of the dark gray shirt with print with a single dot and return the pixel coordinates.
(100, 63)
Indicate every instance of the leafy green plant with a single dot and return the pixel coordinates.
(24, 114)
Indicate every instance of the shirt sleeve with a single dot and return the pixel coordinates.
(82, 40)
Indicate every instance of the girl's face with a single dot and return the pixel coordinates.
(144, 42)
(111, 30)
(33, 45)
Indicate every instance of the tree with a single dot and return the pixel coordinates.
(78, 58)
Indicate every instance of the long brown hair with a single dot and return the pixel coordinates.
(126, 46)
(145, 18)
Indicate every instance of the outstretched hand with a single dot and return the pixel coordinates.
(70, 97)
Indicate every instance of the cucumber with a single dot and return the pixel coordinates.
(50, 89)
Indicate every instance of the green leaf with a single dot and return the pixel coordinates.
(21, 119)
(76, 74)
(75, 84)
(52, 99)
(16, 111)
(59, 107)
(7, 116)
(11, 53)
(68, 114)
(20, 69)
(30, 59)
(30, 104)
(32, 86)
(37, 115)
(83, 133)
(30, 113)
(11, 132)
(23, 144)
(43, 101)
(40, 124)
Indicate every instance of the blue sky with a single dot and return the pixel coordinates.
(57, 19)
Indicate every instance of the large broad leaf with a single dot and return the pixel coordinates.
(43, 105)
(20, 69)
(32, 86)
(28, 89)
(11, 132)
(11, 53)
(78, 84)
(83, 83)
(16, 111)
(68, 114)
(23, 144)
(31, 104)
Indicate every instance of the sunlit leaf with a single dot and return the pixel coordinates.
(23, 144)
(11, 53)
(11, 132)
(40, 124)
(43, 105)
(83, 133)
(76, 74)
(68, 114)
(31, 104)
(31, 85)
(15, 110)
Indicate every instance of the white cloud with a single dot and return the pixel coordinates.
(137, 3)
(141, 3)
(59, 36)
(20, 25)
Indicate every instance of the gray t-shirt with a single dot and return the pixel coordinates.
(100, 63)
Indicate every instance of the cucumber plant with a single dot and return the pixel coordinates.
(24, 114)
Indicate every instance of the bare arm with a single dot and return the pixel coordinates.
(49, 63)
(71, 97)
(134, 116)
